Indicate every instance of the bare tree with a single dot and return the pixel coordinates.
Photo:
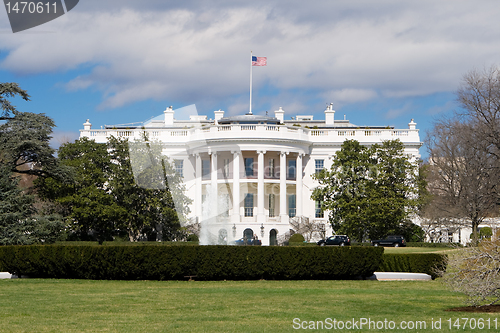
(463, 175)
(475, 271)
(438, 228)
(307, 227)
(479, 98)
(465, 181)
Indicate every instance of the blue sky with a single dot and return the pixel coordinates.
(379, 62)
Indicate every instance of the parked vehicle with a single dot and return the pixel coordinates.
(339, 240)
(391, 240)
(250, 241)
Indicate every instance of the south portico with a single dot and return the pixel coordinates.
(257, 190)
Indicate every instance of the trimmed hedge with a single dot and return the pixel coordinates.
(178, 262)
(301, 244)
(428, 263)
(296, 238)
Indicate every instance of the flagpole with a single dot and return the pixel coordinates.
(251, 57)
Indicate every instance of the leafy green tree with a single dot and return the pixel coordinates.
(24, 138)
(9, 90)
(394, 189)
(145, 183)
(18, 223)
(110, 196)
(24, 146)
(24, 150)
(15, 207)
(343, 189)
(369, 191)
(88, 200)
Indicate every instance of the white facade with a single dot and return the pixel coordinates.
(456, 231)
(243, 157)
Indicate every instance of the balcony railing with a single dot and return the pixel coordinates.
(245, 175)
(248, 212)
(261, 131)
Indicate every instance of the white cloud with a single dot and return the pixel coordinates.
(197, 52)
(440, 109)
(395, 113)
(345, 96)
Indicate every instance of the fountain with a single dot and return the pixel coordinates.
(214, 224)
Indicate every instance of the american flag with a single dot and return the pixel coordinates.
(259, 61)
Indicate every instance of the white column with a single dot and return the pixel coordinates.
(299, 185)
(260, 187)
(283, 211)
(214, 192)
(198, 188)
(236, 187)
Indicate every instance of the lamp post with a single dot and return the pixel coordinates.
(262, 230)
(234, 230)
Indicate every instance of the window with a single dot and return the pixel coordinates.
(292, 166)
(249, 167)
(319, 212)
(205, 169)
(319, 165)
(272, 200)
(292, 205)
(271, 168)
(179, 167)
(249, 204)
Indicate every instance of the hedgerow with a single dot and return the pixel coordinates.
(177, 262)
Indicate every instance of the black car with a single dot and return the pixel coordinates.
(391, 240)
(339, 240)
(250, 241)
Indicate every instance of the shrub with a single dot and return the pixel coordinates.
(296, 238)
(176, 262)
(412, 232)
(192, 238)
(475, 272)
(429, 263)
(485, 232)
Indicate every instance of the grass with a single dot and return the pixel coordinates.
(45, 305)
(417, 250)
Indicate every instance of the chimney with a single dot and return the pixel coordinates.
(280, 115)
(412, 125)
(87, 125)
(169, 116)
(329, 115)
(218, 115)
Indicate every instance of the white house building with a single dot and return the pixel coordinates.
(251, 175)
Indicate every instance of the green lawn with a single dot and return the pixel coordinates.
(39, 305)
(417, 249)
